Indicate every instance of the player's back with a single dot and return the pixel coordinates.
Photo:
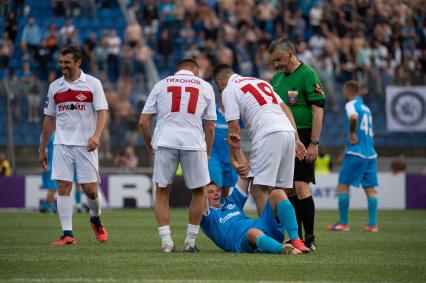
(181, 102)
(364, 129)
(258, 104)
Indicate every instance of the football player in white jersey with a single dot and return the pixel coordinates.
(185, 108)
(76, 106)
(271, 129)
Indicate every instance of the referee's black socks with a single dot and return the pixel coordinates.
(307, 212)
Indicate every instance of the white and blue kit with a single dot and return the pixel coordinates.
(227, 226)
(360, 162)
(221, 171)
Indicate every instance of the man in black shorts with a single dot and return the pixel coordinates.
(300, 88)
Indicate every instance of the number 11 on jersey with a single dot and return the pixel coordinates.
(176, 92)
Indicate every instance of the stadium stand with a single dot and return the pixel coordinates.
(340, 40)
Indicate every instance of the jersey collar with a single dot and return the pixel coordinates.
(82, 78)
(233, 77)
(184, 72)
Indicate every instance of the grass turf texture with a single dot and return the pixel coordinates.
(395, 254)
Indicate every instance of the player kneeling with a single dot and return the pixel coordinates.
(230, 229)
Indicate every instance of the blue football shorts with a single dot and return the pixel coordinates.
(47, 182)
(222, 173)
(268, 225)
(356, 170)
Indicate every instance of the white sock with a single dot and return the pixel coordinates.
(191, 234)
(165, 235)
(65, 212)
(94, 205)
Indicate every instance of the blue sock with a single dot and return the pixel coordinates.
(372, 211)
(52, 208)
(96, 220)
(268, 245)
(287, 217)
(78, 196)
(68, 233)
(343, 208)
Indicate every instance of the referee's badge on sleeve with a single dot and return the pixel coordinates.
(292, 96)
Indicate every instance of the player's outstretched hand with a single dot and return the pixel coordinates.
(93, 143)
(42, 158)
(353, 139)
(300, 150)
(234, 141)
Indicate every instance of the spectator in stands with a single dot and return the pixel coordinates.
(11, 26)
(165, 49)
(10, 89)
(6, 50)
(4, 166)
(398, 165)
(34, 99)
(30, 88)
(148, 17)
(127, 160)
(113, 42)
(69, 34)
(133, 34)
(31, 37)
(88, 53)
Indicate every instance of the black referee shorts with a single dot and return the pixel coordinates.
(304, 171)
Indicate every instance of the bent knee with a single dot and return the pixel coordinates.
(277, 196)
(252, 235)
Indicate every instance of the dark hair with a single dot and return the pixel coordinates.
(352, 86)
(70, 49)
(282, 43)
(187, 63)
(220, 69)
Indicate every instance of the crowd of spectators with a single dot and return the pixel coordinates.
(377, 42)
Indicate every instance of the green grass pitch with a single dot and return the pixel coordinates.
(396, 254)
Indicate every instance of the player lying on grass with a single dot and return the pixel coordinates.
(230, 229)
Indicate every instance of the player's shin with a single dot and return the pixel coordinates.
(287, 217)
(268, 245)
(65, 214)
(372, 211)
(343, 203)
(95, 208)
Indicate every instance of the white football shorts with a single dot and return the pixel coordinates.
(272, 160)
(69, 160)
(194, 165)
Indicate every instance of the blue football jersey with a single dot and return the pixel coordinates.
(220, 146)
(226, 225)
(364, 129)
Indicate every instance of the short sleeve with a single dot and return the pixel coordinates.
(350, 109)
(151, 103)
(49, 103)
(210, 112)
(313, 87)
(99, 99)
(238, 197)
(230, 103)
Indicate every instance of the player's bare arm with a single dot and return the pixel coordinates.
(209, 135)
(300, 148)
(318, 113)
(353, 139)
(101, 120)
(48, 129)
(145, 129)
(234, 133)
(240, 163)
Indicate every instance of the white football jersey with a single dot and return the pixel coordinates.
(181, 102)
(254, 102)
(74, 105)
